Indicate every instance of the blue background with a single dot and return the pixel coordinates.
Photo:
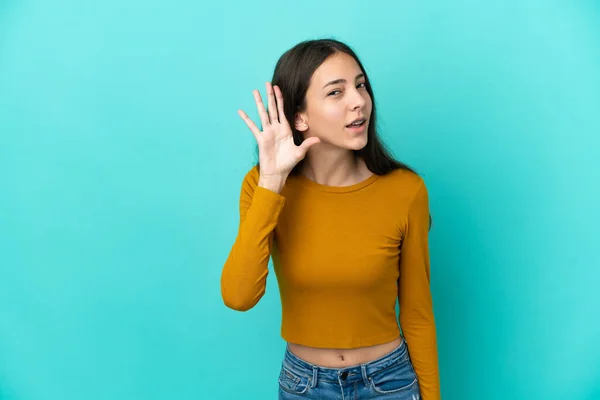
(122, 155)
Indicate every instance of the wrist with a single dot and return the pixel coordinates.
(273, 183)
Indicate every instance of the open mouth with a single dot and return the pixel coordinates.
(356, 124)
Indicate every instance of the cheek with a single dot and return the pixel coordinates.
(369, 103)
(333, 114)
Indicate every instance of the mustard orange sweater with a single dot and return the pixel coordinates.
(342, 256)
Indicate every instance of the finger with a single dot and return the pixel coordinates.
(264, 117)
(306, 144)
(253, 128)
(279, 97)
(272, 106)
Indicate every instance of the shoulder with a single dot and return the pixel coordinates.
(252, 176)
(250, 181)
(410, 196)
(404, 183)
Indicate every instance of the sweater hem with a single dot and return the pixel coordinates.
(344, 344)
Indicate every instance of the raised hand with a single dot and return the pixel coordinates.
(278, 154)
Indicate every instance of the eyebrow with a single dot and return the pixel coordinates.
(335, 82)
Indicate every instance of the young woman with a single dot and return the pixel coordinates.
(347, 228)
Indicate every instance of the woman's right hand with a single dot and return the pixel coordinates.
(278, 154)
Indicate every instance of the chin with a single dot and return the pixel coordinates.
(358, 143)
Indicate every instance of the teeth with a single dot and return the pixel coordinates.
(357, 123)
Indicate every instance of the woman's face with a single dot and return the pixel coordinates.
(336, 97)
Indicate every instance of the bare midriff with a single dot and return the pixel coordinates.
(341, 358)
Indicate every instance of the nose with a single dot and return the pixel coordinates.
(356, 100)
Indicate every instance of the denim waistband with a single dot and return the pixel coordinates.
(348, 374)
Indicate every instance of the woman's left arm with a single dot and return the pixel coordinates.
(414, 295)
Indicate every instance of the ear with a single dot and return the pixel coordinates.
(300, 122)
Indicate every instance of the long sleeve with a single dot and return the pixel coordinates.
(414, 295)
(244, 275)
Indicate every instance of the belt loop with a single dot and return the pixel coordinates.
(315, 373)
(363, 369)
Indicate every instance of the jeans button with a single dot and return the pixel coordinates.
(344, 375)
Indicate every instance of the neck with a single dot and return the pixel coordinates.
(339, 167)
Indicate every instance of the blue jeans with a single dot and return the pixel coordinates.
(389, 377)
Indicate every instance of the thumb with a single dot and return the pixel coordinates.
(306, 144)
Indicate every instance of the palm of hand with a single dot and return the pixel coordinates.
(278, 154)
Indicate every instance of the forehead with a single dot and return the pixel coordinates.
(337, 66)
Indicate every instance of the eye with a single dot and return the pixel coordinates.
(361, 85)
